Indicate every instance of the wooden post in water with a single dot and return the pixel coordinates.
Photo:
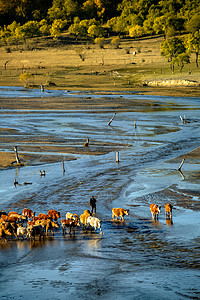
(181, 164)
(117, 157)
(42, 88)
(16, 155)
(111, 119)
(135, 124)
(63, 167)
(182, 120)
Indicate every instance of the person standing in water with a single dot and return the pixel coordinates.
(93, 204)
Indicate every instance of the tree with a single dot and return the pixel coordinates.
(94, 8)
(181, 60)
(171, 49)
(136, 31)
(193, 24)
(63, 9)
(77, 29)
(95, 30)
(117, 24)
(56, 27)
(115, 42)
(192, 42)
(100, 41)
(31, 29)
(149, 22)
(44, 27)
(168, 24)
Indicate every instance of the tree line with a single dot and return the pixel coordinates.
(22, 19)
(127, 17)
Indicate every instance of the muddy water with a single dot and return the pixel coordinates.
(135, 259)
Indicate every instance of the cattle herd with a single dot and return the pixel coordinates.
(26, 225)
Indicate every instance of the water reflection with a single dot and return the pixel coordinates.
(156, 223)
(169, 222)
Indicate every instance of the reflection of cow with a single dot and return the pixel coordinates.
(119, 212)
(155, 210)
(168, 211)
(169, 222)
(94, 222)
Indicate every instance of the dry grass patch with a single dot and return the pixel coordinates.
(103, 69)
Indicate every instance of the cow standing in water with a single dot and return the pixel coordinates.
(155, 210)
(168, 211)
(119, 213)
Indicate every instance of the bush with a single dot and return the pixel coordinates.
(115, 42)
(100, 42)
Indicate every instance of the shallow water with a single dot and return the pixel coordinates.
(138, 258)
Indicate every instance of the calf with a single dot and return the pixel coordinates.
(168, 211)
(155, 210)
(119, 212)
(94, 222)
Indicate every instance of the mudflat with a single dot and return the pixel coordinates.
(117, 104)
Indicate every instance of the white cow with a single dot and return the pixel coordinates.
(94, 222)
(22, 231)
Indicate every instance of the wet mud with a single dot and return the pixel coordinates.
(137, 258)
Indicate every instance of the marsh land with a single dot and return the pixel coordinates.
(138, 258)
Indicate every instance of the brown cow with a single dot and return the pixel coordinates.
(47, 225)
(155, 210)
(168, 211)
(28, 213)
(54, 214)
(12, 218)
(42, 217)
(69, 223)
(84, 216)
(2, 212)
(14, 214)
(8, 228)
(119, 212)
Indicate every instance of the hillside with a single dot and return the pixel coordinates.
(86, 66)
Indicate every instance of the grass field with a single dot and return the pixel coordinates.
(86, 66)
